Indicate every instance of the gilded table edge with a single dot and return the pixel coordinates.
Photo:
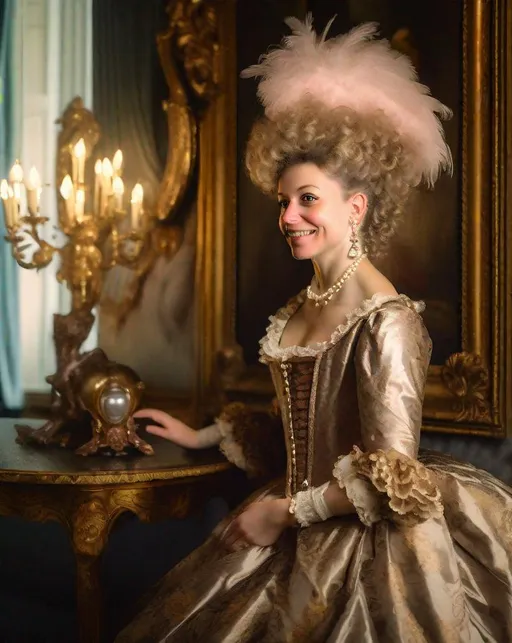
(104, 478)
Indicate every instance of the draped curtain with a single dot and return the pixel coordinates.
(11, 389)
(128, 86)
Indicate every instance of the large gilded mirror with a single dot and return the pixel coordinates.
(165, 104)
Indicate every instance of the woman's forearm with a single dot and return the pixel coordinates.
(337, 501)
(208, 437)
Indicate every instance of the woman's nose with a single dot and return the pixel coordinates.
(291, 214)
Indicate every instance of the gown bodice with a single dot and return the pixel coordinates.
(321, 388)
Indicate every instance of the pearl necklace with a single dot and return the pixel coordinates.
(325, 297)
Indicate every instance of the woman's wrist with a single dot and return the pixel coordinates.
(284, 516)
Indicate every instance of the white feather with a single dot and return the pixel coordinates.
(355, 70)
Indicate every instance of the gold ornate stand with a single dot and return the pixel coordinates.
(88, 495)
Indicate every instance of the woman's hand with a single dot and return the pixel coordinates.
(260, 524)
(171, 428)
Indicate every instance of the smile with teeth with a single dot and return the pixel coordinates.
(299, 233)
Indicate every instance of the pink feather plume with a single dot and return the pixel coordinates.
(355, 70)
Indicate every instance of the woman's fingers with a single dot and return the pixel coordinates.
(153, 414)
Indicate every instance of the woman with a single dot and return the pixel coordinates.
(364, 540)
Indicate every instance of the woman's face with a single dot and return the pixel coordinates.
(315, 212)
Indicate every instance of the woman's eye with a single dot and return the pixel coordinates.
(283, 204)
(308, 198)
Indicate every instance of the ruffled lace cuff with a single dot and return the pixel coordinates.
(388, 484)
(309, 506)
(252, 440)
(229, 446)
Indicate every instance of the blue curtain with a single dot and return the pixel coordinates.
(11, 390)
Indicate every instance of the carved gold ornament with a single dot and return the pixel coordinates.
(187, 55)
(467, 379)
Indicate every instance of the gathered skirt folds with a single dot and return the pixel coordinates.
(447, 580)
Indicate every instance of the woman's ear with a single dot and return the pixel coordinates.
(359, 204)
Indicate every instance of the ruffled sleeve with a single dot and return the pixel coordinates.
(383, 479)
(253, 440)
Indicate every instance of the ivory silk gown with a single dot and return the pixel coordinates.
(437, 566)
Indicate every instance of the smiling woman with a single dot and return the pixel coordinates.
(349, 359)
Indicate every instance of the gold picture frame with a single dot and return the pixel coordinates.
(467, 393)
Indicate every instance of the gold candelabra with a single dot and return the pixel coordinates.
(99, 233)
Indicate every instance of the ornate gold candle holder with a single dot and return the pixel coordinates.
(98, 234)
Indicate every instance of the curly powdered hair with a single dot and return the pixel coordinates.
(363, 152)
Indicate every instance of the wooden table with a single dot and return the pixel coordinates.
(87, 494)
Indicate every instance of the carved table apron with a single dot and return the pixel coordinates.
(87, 494)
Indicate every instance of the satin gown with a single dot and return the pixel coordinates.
(435, 568)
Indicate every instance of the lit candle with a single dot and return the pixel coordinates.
(79, 205)
(16, 173)
(106, 185)
(136, 202)
(6, 195)
(33, 187)
(80, 161)
(118, 189)
(117, 163)
(66, 190)
(14, 208)
(98, 173)
(16, 177)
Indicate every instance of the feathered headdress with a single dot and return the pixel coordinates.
(359, 72)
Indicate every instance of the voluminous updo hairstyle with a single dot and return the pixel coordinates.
(363, 152)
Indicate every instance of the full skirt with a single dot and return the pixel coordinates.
(447, 580)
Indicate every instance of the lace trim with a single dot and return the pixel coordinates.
(229, 446)
(360, 491)
(408, 494)
(252, 440)
(269, 345)
(309, 506)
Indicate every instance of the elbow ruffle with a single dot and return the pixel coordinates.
(252, 440)
(388, 485)
(228, 445)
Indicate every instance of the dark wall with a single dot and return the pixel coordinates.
(266, 273)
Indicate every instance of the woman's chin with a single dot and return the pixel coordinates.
(301, 254)
(301, 249)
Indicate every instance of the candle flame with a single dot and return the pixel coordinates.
(4, 190)
(117, 161)
(80, 149)
(137, 193)
(34, 180)
(118, 186)
(16, 173)
(66, 188)
(108, 170)
(98, 167)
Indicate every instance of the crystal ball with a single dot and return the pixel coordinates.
(115, 404)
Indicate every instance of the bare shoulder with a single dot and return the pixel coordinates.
(372, 282)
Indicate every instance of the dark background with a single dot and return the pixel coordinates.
(424, 258)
